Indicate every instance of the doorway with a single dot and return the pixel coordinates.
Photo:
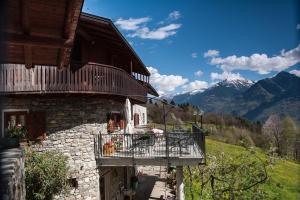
(104, 186)
(136, 119)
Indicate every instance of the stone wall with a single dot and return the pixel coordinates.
(12, 174)
(71, 125)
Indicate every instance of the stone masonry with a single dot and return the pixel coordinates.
(71, 125)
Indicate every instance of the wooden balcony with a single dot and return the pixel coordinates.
(171, 148)
(92, 78)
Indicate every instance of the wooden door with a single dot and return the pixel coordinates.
(102, 188)
(136, 119)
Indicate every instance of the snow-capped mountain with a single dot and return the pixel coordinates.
(225, 88)
(239, 84)
(279, 94)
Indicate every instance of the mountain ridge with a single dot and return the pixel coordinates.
(252, 100)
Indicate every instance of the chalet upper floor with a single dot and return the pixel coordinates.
(52, 47)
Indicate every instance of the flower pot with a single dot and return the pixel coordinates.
(108, 149)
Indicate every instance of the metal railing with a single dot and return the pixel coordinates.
(151, 145)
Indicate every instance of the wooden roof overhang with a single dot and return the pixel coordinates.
(93, 27)
(39, 32)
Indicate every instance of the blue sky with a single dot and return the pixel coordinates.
(218, 39)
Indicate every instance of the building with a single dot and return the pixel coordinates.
(65, 75)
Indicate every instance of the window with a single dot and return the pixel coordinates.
(14, 118)
(34, 122)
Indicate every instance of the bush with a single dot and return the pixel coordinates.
(45, 174)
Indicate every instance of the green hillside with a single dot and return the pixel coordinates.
(284, 176)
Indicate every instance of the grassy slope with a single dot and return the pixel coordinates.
(285, 175)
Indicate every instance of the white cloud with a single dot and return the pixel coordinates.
(138, 27)
(260, 63)
(195, 86)
(131, 23)
(156, 34)
(194, 55)
(211, 53)
(174, 15)
(225, 75)
(198, 73)
(298, 27)
(296, 72)
(165, 83)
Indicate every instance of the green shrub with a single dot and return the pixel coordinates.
(46, 174)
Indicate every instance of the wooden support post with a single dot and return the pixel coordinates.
(179, 183)
(28, 56)
(26, 29)
(131, 67)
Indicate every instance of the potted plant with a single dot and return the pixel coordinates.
(17, 135)
(118, 146)
(110, 126)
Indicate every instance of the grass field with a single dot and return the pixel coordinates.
(284, 182)
(284, 175)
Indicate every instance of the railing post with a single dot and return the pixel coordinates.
(179, 183)
(100, 143)
(165, 132)
(132, 149)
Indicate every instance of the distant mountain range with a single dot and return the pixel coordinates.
(254, 101)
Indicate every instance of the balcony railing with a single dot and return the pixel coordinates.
(172, 145)
(91, 78)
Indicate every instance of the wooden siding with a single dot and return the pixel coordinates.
(91, 78)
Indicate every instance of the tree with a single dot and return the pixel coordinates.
(273, 130)
(290, 135)
(227, 177)
(283, 135)
(172, 103)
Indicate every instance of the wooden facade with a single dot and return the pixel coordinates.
(57, 44)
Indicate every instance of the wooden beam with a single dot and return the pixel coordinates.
(18, 39)
(25, 8)
(84, 34)
(108, 30)
(72, 13)
(28, 56)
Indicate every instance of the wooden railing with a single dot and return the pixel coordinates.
(91, 78)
